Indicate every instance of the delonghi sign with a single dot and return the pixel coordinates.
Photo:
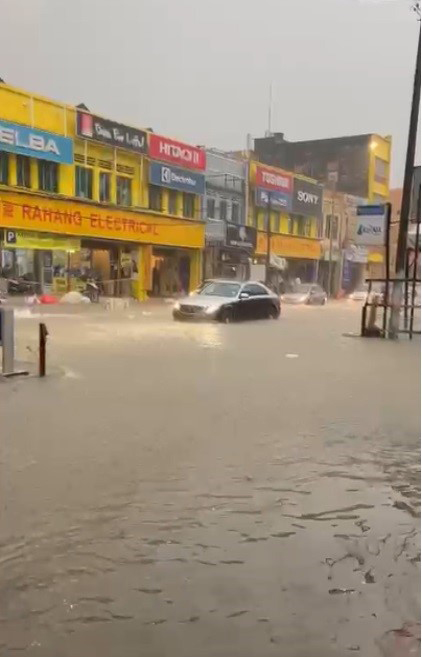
(307, 198)
(89, 126)
(370, 225)
(175, 178)
(21, 139)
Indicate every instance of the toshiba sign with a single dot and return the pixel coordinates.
(273, 179)
(175, 152)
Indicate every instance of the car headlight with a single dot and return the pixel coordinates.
(211, 309)
(176, 306)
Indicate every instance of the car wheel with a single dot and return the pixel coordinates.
(226, 316)
(274, 312)
(324, 301)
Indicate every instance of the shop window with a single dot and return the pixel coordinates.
(104, 186)
(4, 168)
(123, 190)
(300, 227)
(188, 205)
(308, 227)
(381, 170)
(48, 176)
(235, 213)
(331, 227)
(23, 171)
(290, 225)
(83, 182)
(223, 210)
(155, 198)
(210, 208)
(172, 201)
(276, 224)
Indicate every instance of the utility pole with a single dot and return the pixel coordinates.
(330, 250)
(406, 198)
(268, 226)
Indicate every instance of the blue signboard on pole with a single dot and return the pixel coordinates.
(175, 178)
(23, 140)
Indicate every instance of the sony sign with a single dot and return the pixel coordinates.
(307, 198)
(23, 140)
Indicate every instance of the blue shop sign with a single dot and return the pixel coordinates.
(276, 200)
(21, 139)
(175, 178)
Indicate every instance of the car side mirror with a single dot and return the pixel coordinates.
(244, 295)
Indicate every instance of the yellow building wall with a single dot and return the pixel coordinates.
(379, 147)
(19, 106)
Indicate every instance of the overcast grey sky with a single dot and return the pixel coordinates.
(200, 70)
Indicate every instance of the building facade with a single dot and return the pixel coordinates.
(82, 193)
(294, 206)
(358, 165)
(229, 242)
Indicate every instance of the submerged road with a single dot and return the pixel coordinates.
(203, 490)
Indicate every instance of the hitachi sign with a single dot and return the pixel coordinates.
(31, 141)
(179, 153)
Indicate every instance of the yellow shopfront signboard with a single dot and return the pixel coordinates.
(19, 239)
(36, 213)
(289, 246)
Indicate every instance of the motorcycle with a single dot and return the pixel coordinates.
(92, 290)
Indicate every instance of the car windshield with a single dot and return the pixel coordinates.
(303, 288)
(216, 289)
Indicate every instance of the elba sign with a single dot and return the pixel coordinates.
(20, 139)
(175, 178)
(175, 152)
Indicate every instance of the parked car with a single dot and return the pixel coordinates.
(227, 301)
(308, 293)
(361, 294)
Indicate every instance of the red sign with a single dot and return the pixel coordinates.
(273, 179)
(175, 152)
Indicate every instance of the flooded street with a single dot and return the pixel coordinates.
(243, 490)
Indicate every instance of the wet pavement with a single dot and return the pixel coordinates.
(194, 490)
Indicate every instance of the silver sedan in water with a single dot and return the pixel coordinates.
(308, 293)
(227, 301)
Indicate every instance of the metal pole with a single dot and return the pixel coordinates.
(406, 289)
(406, 198)
(415, 266)
(387, 267)
(42, 348)
(330, 251)
(7, 340)
(268, 259)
